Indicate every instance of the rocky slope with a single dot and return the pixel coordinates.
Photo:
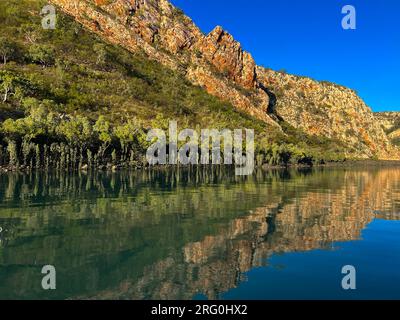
(219, 64)
(216, 62)
(390, 122)
(327, 109)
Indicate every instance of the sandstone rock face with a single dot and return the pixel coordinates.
(165, 34)
(329, 110)
(390, 122)
(227, 56)
(219, 64)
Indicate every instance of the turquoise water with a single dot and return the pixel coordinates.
(196, 234)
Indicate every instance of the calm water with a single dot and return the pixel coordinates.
(201, 234)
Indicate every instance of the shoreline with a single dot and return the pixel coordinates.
(116, 168)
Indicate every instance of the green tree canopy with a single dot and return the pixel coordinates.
(42, 54)
(8, 49)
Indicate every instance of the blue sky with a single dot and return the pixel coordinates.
(305, 37)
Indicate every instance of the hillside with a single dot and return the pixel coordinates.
(218, 63)
(390, 122)
(86, 93)
(329, 110)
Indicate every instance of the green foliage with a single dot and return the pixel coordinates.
(14, 85)
(76, 130)
(101, 53)
(42, 54)
(8, 49)
(102, 127)
(131, 136)
(12, 151)
(81, 101)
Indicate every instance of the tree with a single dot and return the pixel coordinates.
(102, 127)
(25, 128)
(77, 130)
(14, 128)
(30, 31)
(42, 54)
(8, 49)
(13, 84)
(126, 134)
(9, 83)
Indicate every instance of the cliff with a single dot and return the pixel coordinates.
(219, 64)
(216, 61)
(329, 110)
(390, 122)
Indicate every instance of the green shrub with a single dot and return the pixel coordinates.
(8, 50)
(42, 54)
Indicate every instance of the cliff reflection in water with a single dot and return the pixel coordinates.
(175, 234)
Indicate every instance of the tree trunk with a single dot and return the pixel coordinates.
(5, 95)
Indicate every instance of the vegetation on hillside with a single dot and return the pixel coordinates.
(68, 100)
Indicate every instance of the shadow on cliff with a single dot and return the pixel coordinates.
(271, 111)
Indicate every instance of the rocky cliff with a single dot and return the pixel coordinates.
(390, 122)
(219, 64)
(329, 110)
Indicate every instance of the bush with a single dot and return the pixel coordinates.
(12, 84)
(8, 50)
(42, 54)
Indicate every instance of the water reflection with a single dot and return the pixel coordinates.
(175, 234)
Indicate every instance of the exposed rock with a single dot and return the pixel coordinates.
(202, 76)
(328, 110)
(227, 56)
(390, 122)
(218, 63)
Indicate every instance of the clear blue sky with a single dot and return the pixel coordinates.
(305, 37)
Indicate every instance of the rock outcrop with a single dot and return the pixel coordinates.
(227, 56)
(390, 122)
(216, 61)
(219, 64)
(329, 110)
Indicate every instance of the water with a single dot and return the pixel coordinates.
(199, 234)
